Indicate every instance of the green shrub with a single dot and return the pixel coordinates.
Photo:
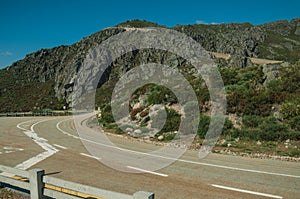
(272, 130)
(106, 115)
(156, 97)
(294, 153)
(295, 123)
(244, 133)
(291, 108)
(169, 136)
(160, 95)
(173, 121)
(203, 125)
(228, 127)
(293, 135)
(251, 121)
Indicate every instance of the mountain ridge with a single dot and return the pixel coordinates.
(58, 66)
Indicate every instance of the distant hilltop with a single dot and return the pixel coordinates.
(45, 78)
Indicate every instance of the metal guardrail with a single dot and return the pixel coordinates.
(42, 186)
(32, 114)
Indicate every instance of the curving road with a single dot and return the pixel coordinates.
(53, 144)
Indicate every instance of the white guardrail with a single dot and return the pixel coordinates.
(42, 186)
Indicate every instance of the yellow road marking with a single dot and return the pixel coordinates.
(63, 190)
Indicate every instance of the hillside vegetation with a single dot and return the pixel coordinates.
(260, 109)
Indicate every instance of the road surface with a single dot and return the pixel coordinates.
(51, 143)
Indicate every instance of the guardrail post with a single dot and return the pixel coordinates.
(36, 183)
(143, 195)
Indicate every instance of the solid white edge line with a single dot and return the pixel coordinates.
(239, 169)
(246, 191)
(90, 156)
(180, 160)
(59, 146)
(146, 171)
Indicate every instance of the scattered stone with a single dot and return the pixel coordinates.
(223, 141)
(258, 143)
(129, 130)
(160, 138)
(137, 131)
(137, 106)
(228, 145)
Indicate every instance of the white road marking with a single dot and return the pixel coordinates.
(40, 141)
(180, 160)
(146, 171)
(90, 156)
(59, 146)
(247, 191)
(64, 132)
(49, 149)
(240, 169)
(22, 124)
(34, 160)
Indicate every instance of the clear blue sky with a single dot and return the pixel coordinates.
(29, 25)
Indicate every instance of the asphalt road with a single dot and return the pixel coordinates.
(216, 176)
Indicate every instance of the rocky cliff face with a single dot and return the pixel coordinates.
(239, 40)
(59, 64)
(278, 40)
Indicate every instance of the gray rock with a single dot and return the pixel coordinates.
(137, 131)
(271, 72)
(160, 138)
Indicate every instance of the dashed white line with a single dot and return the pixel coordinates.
(59, 146)
(146, 171)
(90, 156)
(180, 160)
(247, 191)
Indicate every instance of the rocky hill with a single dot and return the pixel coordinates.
(44, 79)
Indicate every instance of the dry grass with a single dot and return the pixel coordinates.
(252, 59)
(220, 55)
(8, 194)
(264, 61)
